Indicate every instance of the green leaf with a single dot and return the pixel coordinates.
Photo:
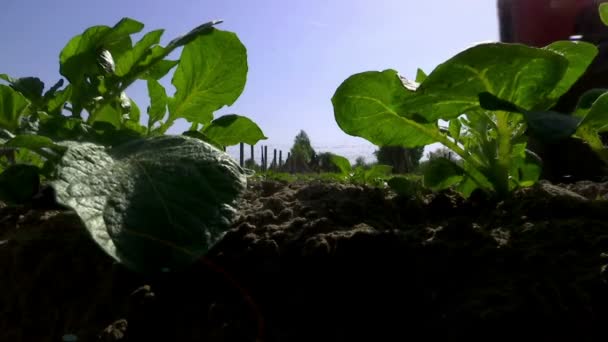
(420, 75)
(522, 75)
(371, 105)
(604, 13)
(526, 168)
(202, 137)
(441, 173)
(19, 183)
(158, 102)
(159, 70)
(106, 113)
(63, 128)
(579, 55)
(192, 35)
(597, 116)
(34, 143)
(232, 129)
(12, 105)
(378, 171)
(79, 57)
(342, 163)
(30, 87)
(7, 78)
(211, 74)
(455, 128)
(586, 101)
(139, 51)
(134, 111)
(191, 186)
(55, 104)
(404, 186)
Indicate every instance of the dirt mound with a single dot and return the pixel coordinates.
(328, 262)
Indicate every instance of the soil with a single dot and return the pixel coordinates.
(322, 261)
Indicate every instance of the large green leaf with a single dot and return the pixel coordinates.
(372, 105)
(153, 203)
(232, 129)
(12, 105)
(211, 74)
(579, 55)
(522, 75)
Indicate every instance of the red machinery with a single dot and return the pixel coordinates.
(539, 23)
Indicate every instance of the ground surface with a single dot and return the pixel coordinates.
(328, 262)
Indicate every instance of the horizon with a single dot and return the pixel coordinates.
(298, 52)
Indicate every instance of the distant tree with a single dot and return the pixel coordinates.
(302, 155)
(360, 162)
(321, 162)
(251, 164)
(443, 152)
(402, 159)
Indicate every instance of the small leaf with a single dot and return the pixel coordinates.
(152, 203)
(30, 87)
(158, 102)
(12, 105)
(455, 128)
(139, 51)
(342, 163)
(586, 101)
(211, 74)
(604, 13)
(19, 183)
(441, 173)
(597, 116)
(420, 75)
(53, 90)
(232, 129)
(55, 104)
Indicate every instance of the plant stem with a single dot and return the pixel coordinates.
(501, 168)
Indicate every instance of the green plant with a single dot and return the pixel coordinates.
(387, 109)
(150, 200)
(376, 175)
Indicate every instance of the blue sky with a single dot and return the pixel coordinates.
(299, 51)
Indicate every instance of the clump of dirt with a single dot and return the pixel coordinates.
(322, 261)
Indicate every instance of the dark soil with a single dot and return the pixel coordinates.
(328, 262)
